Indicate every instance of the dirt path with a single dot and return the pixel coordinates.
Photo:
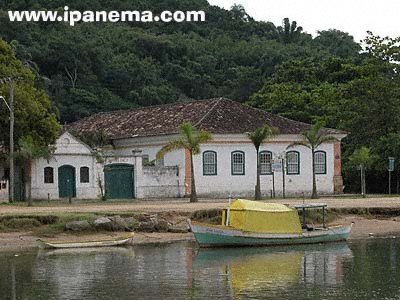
(182, 205)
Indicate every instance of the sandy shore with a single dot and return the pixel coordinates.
(362, 228)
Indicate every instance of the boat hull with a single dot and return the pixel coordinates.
(86, 244)
(221, 236)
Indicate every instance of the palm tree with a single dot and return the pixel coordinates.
(258, 136)
(190, 139)
(289, 32)
(313, 138)
(28, 151)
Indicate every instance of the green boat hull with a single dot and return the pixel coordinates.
(212, 236)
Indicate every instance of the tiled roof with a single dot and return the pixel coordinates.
(218, 116)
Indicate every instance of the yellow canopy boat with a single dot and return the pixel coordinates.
(253, 223)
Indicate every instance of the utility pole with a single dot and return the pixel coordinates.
(11, 196)
(10, 107)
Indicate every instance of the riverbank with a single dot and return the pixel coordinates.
(165, 221)
(363, 228)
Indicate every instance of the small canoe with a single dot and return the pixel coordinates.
(222, 236)
(119, 241)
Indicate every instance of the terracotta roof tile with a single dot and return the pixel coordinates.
(218, 116)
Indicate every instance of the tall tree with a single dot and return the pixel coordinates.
(190, 139)
(28, 151)
(257, 137)
(313, 138)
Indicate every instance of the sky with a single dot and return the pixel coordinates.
(352, 16)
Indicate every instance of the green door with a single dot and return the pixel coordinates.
(119, 181)
(66, 182)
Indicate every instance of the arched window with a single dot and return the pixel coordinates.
(293, 163)
(237, 163)
(84, 174)
(209, 163)
(320, 162)
(48, 175)
(266, 162)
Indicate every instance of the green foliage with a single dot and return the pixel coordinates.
(362, 157)
(30, 149)
(257, 137)
(100, 67)
(314, 137)
(189, 139)
(34, 113)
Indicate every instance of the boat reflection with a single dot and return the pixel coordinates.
(244, 270)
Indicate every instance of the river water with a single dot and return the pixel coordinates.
(365, 269)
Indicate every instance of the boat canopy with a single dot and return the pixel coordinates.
(253, 216)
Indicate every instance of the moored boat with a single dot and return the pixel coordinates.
(251, 223)
(109, 242)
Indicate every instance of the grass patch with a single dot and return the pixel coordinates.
(15, 224)
(213, 216)
(315, 216)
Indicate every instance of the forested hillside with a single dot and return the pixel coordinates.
(134, 64)
(277, 67)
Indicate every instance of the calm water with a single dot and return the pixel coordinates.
(368, 269)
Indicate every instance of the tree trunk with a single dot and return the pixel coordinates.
(362, 173)
(29, 181)
(193, 194)
(364, 183)
(314, 194)
(258, 185)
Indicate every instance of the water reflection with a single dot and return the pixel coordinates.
(250, 269)
(364, 269)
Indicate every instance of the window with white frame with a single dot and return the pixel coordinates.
(293, 163)
(209, 163)
(237, 163)
(320, 162)
(265, 162)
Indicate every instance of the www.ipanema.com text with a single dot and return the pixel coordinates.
(73, 16)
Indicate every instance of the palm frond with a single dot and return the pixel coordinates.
(187, 131)
(326, 139)
(171, 146)
(204, 137)
(190, 139)
(303, 143)
(259, 135)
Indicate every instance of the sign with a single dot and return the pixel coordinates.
(276, 167)
(391, 164)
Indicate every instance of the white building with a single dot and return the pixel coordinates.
(226, 165)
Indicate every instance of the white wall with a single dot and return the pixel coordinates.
(150, 146)
(243, 185)
(160, 182)
(240, 185)
(157, 182)
(72, 152)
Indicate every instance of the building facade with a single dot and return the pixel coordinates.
(227, 165)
